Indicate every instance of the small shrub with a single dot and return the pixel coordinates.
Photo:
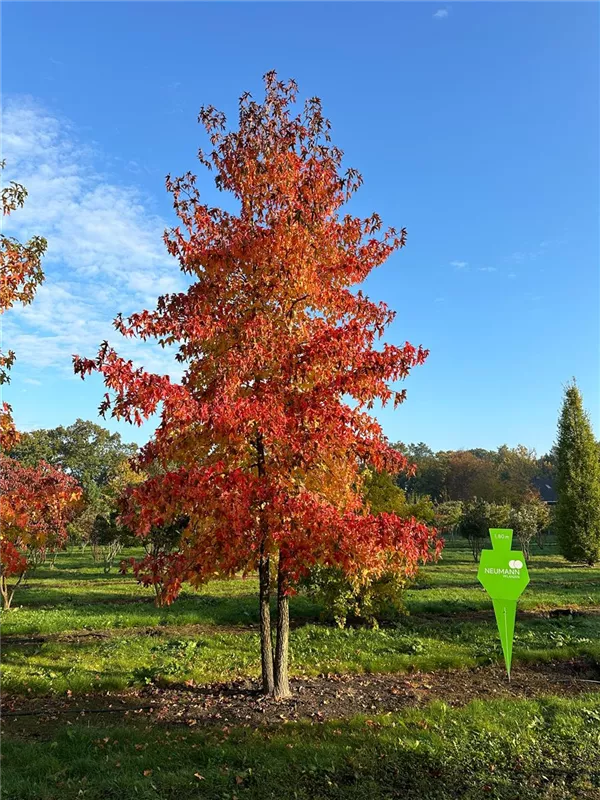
(374, 600)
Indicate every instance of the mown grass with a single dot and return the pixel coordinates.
(507, 750)
(444, 629)
(549, 748)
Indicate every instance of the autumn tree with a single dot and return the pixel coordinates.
(92, 455)
(472, 473)
(259, 448)
(577, 515)
(20, 275)
(517, 466)
(35, 506)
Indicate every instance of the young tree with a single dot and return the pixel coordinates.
(447, 516)
(258, 448)
(20, 275)
(35, 505)
(108, 534)
(159, 543)
(382, 493)
(477, 518)
(577, 517)
(529, 521)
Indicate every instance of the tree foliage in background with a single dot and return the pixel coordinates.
(265, 454)
(88, 452)
(447, 516)
(477, 518)
(373, 598)
(529, 521)
(85, 450)
(430, 476)
(577, 515)
(109, 535)
(20, 275)
(500, 476)
(35, 505)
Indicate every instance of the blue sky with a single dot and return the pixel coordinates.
(475, 125)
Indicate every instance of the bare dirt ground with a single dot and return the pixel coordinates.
(316, 699)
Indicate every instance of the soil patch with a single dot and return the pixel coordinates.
(318, 699)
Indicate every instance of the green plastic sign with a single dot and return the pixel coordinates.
(503, 574)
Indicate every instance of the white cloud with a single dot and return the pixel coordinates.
(459, 264)
(32, 381)
(105, 250)
(441, 13)
(487, 269)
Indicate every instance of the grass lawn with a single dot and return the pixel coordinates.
(50, 646)
(76, 631)
(546, 749)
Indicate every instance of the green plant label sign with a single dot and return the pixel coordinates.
(504, 576)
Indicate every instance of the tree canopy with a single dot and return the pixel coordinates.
(259, 449)
(20, 275)
(85, 450)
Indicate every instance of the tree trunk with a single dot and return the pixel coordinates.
(6, 596)
(6, 592)
(282, 684)
(266, 646)
(264, 578)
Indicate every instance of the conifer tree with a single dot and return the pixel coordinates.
(578, 483)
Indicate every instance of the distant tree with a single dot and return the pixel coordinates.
(430, 476)
(477, 518)
(529, 521)
(516, 466)
(35, 505)
(577, 518)
(108, 535)
(447, 516)
(91, 454)
(472, 474)
(546, 466)
(85, 450)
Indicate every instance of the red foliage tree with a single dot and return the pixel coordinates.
(256, 445)
(20, 275)
(35, 505)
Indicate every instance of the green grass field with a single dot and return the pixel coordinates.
(75, 631)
